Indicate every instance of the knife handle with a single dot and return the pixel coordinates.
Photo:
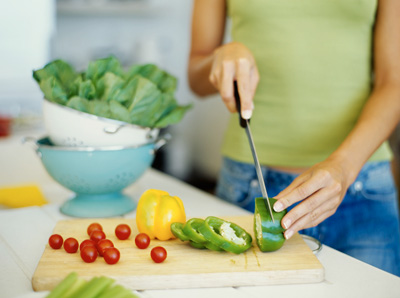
(242, 122)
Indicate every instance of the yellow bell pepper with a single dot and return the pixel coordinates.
(156, 211)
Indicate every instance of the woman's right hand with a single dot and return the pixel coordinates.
(234, 61)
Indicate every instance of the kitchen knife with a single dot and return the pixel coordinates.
(245, 123)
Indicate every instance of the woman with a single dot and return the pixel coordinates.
(320, 81)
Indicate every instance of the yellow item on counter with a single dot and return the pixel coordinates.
(156, 211)
(21, 196)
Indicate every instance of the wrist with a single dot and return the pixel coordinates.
(349, 166)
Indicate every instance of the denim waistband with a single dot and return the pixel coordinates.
(372, 175)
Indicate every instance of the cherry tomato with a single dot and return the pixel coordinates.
(111, 255)
(94, 226)
(89, 254)
(56, 241)
(122, 231)
(142, 240)
(71, 245)
(158, 254)
(103, 244)
(97, 235)
(87, 242)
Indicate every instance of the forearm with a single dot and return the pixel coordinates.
(381, 113)
(208, 27)
(377, 121)
(198, 74)
(322, 188)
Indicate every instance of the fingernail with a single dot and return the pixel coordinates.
(247, 114)
(288, 234)
(278, 206)
(287, 223)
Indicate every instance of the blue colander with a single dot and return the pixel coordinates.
(97, 176)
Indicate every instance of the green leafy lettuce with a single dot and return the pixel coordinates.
(143, 95)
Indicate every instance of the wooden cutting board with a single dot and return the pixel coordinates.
(185, 266)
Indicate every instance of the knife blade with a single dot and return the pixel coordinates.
(245, 123)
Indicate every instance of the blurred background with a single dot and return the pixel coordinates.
(33, 33)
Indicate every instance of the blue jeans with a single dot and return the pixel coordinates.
(365, 226)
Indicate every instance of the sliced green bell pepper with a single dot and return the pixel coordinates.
(212, 246)
(269, 234)
(208, 245)
(226, 235)
(196, 245)
(191, 230)
(177, 231)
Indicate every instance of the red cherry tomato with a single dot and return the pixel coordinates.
(56, 241)
(111, 255)
(122, 231)
(94, 226)
(158, 254)
(142, 240)
(89, 254)
(103, 244)
(71, 245)
(97, 235)
(87, 242)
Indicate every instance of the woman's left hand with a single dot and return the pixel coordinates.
(320, 189)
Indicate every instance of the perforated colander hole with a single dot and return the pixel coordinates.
(70, 140)
(121, 176)
(126, 176)
(120, 180)
(75, 182)
(74, 142)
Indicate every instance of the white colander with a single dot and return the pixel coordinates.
(69, 127)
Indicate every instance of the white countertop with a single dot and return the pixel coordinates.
(25, 231)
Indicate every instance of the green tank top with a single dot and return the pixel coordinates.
(315, 63)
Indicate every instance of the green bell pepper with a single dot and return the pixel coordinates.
(269, 234)
(205, 245)
(177, 231)
(196, 245)
(191, 231)
(225, 235)
(212, 246)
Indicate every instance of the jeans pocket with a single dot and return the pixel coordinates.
(377, 183)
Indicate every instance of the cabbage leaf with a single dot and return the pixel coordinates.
(144, 95)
